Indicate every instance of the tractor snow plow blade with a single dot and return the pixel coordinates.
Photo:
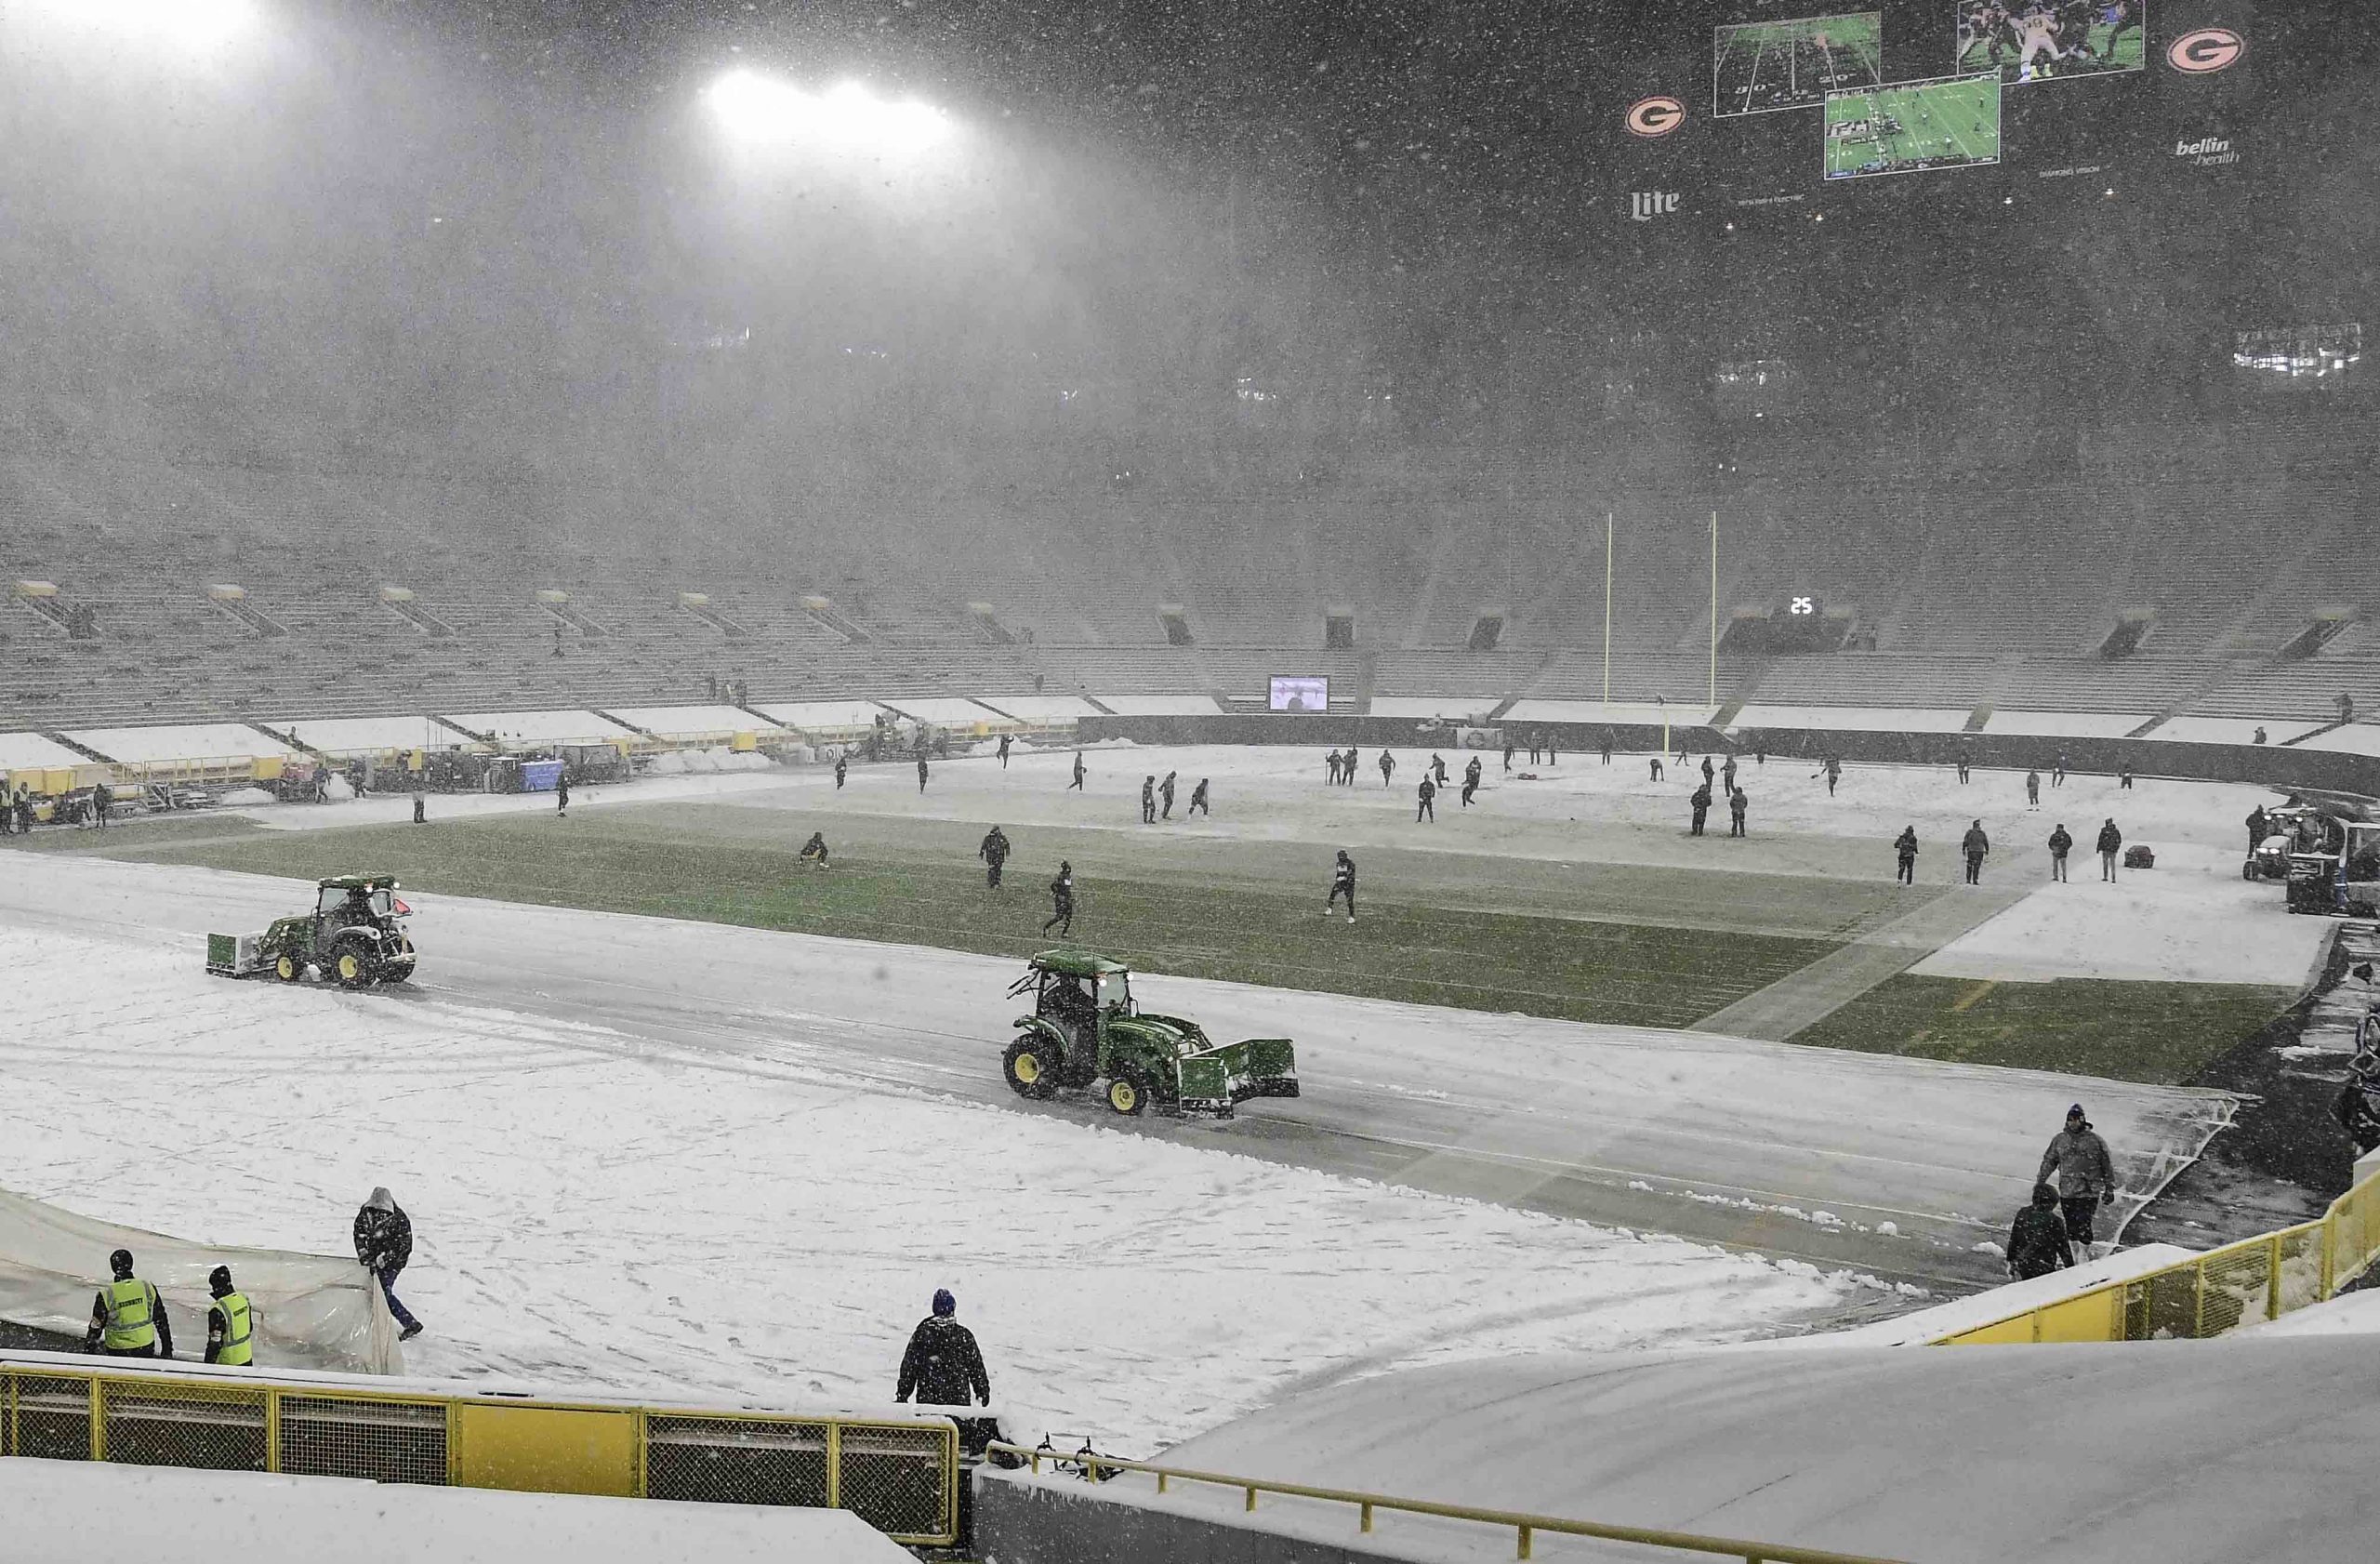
(1217, 1078)
(234, 955)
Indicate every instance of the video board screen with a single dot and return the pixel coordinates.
(1913, 128)
(2299, 359)
(1757, 67)
(2023, 41)
(1300, 692)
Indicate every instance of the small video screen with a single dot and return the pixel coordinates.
(1913, 128)
(1300, 692)
(1759, 66)
(2023, 41)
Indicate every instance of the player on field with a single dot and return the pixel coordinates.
(1062, 900)
(1199, 802)
(1342, 883)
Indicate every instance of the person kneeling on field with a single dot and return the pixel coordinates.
(814, 852)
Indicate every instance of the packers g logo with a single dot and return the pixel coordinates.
(2208, 50)
(1655, 116)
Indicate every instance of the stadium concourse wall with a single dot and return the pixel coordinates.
(2271, 766)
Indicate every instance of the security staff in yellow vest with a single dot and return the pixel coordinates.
(128, 1318)
(230, 1323)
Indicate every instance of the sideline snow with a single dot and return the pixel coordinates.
(594, 1206)
(2190, 919)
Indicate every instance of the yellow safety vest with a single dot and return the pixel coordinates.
(132, 1326)
(239, 1327)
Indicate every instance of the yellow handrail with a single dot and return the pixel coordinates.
(1523, 1524)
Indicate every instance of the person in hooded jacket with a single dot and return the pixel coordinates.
(1905, 849)
(384, 1246)
(2061, 842)
(1975, 845)
(2086, 1174)
(2037, 1240)
(942, 1367)
(2110, 844)
(994, 852)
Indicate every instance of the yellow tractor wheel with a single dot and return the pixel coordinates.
(288, 968)
(1031, 1067)
(1127, 1095)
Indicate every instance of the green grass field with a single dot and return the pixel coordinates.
(1588, 942)
(894, 881)
(1923, 125)
(1762, 65)
(2159, 1032)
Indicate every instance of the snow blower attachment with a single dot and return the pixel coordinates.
(1085, 1029)
(355, 936)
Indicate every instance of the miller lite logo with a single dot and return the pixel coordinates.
(1655, 116)
(1643, 205)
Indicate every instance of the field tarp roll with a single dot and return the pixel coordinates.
(312, 1311)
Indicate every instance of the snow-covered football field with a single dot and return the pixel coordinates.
(692, 1160)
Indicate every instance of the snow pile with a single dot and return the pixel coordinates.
(245, 797)
(337, 789)
(753, 1223)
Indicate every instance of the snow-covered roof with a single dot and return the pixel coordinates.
(2231, 730)
(1872, 1450)
(2356, 738)
(2065, 724)
(355, 735)
(57, 1508)
(943, 710)
(1042, 709)
(822, 714)
(541, 727)
(1159, 706)
(199, 741)
(31, 751)
(1684, 714)
(1856, 718)
(1455, 709)
(684, 721)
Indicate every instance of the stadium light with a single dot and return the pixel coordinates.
(845, 118)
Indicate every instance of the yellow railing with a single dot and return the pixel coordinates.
(899, 1475)
(1525, 1527)
(2255, 1279)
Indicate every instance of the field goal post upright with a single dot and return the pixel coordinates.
(1714, 611)
(1607, 608)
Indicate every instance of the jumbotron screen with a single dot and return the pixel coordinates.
(1913, 128)
(1300, 692)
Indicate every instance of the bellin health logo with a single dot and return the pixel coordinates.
(2210, 151)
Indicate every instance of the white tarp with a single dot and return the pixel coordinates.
(312, 1311)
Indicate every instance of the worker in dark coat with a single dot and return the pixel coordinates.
(1148, 800)
(1701, 800)
(2061, 842)
(1199, 802)
(2037, 1240)
(384, 1246)
(994, 852)
(2259, 828)
(1427, 807)
(842, 768)
(1165, 791)
(2110, 844)
(1905, 849)
(1737, 804)
(944, 1368)
(1974, 845)
(2086, 1174)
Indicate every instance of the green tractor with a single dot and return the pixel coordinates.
(355, 936)
(1085, 1029)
